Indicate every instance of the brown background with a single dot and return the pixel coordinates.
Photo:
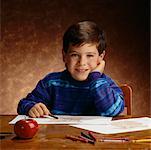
(31, 43)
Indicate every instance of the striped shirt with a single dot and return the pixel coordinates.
(63, 95)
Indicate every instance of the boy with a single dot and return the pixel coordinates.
(81, 89)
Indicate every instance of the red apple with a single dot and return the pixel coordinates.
(26, 128)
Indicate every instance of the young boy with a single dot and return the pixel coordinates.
(81, 89)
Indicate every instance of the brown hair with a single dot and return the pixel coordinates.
(82, 33)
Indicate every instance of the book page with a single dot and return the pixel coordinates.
(120, 126)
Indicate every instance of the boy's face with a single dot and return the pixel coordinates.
(80, 61)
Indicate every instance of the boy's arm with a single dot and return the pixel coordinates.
(38, 96)
(107, 95)
(97, 72)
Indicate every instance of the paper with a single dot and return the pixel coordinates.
(65, 119)
(119, 126)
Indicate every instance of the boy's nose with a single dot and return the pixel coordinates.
(82, 61)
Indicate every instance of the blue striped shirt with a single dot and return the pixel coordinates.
(63, 95)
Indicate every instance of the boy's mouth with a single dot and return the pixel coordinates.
(81, 70)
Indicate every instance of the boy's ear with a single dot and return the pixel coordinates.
(63, 55)
(102, 55)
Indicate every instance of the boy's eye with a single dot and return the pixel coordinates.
(90, 55)
(74, 55)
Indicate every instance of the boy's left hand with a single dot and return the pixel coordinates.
(100, 67)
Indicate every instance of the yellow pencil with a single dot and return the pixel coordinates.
(141, 140)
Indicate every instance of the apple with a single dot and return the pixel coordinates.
(26, 128)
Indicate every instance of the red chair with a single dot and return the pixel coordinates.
(127, 91)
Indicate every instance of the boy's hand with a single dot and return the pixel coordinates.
(100, 67)
(38, 110)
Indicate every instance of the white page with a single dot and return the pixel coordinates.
(66, 119)
(119, 126)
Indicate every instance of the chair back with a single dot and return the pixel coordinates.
(127, 91)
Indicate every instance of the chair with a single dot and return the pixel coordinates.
(127, 91)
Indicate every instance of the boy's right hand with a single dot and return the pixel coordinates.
(38, 110)
(100, 67)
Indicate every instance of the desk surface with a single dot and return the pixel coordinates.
(53, 137)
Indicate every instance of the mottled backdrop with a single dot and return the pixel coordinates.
(31, 43)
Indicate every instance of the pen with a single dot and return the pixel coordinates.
(50, 115)
(6, 133)
(86, 136)
(141, 140)
(53, 116)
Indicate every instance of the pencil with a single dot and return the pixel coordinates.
(74, 138)
(141, 141)
(113, 140)
(87, 139)
(92, 136)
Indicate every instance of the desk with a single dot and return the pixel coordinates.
(52, 137)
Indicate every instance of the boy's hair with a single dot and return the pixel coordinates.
(82, 33)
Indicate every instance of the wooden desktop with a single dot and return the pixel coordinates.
(52, 137)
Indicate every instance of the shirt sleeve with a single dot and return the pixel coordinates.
(108, 97)
(39, 94)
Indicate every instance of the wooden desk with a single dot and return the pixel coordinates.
(52, 137)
